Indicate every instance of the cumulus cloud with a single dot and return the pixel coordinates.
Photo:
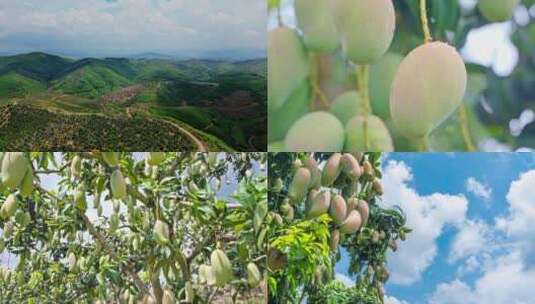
(427, 215)
(478, 189)
(507, 281)
(393, 300)
(127, 26)
(473, 238)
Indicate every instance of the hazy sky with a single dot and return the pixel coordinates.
(118, 27)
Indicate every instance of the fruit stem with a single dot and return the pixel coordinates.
(425, 22)
(465, 130)
(362, 84)
(317, 92)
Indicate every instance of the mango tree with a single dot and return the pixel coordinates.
(133, 227)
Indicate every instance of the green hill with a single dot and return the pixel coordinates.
(39, 66)
(13, 85)
(90, 81)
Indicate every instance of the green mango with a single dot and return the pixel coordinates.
(118, 185)
(281, 119)
(253, 275)
(111, 158)
(155, 158)
(161, 232)
(288, 65)
(221, 267)
(9, 207)
(366, 28)
(276, 146)
(317, 24)
(382, 75)
(26, 187)
(14, 166)
(379, 139)
(76, 166)
(428, 87)
(497, 10)
(347, 106)
(315, 132)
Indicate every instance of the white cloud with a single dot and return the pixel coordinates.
(478, 188)
(133, 25)
(521, 199)
(393, 300)
(349, 282)
(427, 215)
(473, 238)
(506, 282)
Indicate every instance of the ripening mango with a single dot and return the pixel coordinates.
(366, 28)
(161, 232)
(317, 23)
(429, 86)
(338, 209)
(378, 136)
(364, 210)
(347, 106)
(382, 75)
(281, 119)
(316, 132)
(350, 166)
(288, 65)
(352, 223)
(315, 172)
(318, 203)
(331, 170)
(335, 239)
(299, 186)
(497, 10)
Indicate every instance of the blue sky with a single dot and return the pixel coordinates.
(473, 239)
(124, 27)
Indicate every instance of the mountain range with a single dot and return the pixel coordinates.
(216, 96)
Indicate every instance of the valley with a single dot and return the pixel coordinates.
(170, 104)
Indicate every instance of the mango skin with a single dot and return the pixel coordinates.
(379, 139)
(14, 166)
(382, 75)
(352, 223)
(299, 186)
(338, 209)
(317, 24)
(281, 119)
(497, 10)
(347, 106)
(118, 185)
(315, 132)
(288, 65)
(221, 267)
(429, 86)
(366, 28)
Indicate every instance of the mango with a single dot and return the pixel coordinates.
(428, 87)
(190, 293)
(288, 211)
(281, 119)
(378, 187)
(76, 166)
(221, 267)
(315, 132)
(9, 207)
(168, 297)
(367, 168)
(364, 210)
(350, 166)
(111, 158)
(161, 232)
(206, 275)
(299, 185)
(80, 199)
(155, 158)
(315, 173)
(318, 203)
(26, 187)
(497, 10)
(276, 146)
(288, 65)
(335, 239)
(71, 261)
(379, 139)
(366, 28)
(347, 106)
(352, 204)
(317, 24)
(14, 166)
(352, 223)
(338, 209)
(118, 185)
(253, 275)
(382, 75)
(331, 170)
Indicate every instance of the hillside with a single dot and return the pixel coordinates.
(218, 98)
(25, 128)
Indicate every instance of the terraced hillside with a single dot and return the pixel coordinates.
(219, 100)
(26, 128)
